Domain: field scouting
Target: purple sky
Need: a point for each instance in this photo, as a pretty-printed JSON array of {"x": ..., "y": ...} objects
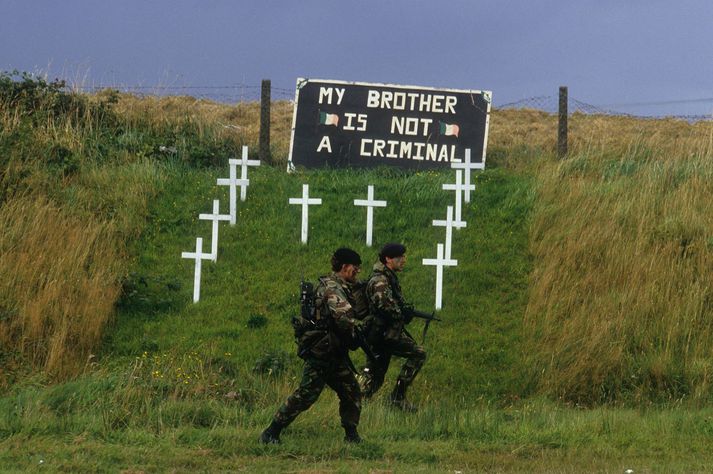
[{"x": 617, "y": 54}]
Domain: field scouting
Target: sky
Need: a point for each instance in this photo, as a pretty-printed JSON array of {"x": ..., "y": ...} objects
[{"x": 641, "y": 57}]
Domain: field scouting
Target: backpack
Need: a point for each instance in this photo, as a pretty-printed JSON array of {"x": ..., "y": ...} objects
[{"x": 311, "y": 332}]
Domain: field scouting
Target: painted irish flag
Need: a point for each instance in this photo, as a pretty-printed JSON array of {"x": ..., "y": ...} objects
[
  {"x": 328, "y": 119},
  {"x": 449, "y": 129}
]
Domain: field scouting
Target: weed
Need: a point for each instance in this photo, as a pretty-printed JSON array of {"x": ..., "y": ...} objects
[
  {"x": 271, "y": 363},
  {"x": 256, "y": 321}
]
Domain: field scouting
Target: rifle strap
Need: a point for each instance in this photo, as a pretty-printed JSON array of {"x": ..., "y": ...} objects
[
  {"x": 394, "y": 284},
  {"x": 425, "y": 330}
]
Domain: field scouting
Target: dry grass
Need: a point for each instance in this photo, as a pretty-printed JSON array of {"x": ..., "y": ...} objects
[
  {"x": 509, "y": 129},
  {"x": 512, "y": 129},
  {"x": 65, "y": 221},
  {"x": 621, "y": 298},
  {"x": 60, "y": 281},
  {"x": 62, "y": 261},
  {"x": 239, "y": 123}
]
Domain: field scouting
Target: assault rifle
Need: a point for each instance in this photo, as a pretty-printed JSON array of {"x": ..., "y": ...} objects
[{"x": 410, "y": 312}]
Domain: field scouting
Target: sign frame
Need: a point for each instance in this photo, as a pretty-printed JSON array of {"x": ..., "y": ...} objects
[{"x": 416, "y": 163}]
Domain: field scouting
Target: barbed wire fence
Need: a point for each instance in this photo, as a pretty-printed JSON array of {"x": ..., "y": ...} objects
[
  {"x": 240, "y": 93},
  {"x": 550, "y": 104}
]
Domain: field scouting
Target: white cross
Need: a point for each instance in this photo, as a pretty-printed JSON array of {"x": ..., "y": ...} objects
[
  {"x": 466, "y": 167},
  {"x": 370, "y": 204},
  {"x": 449, "y": 225},
  {"x": 198, "y": 256},
  {"x": 305, "y": 201},
  {"x": 458, "y": 188},
  {"x": 215, "y": 217},
  {"x": 244, "y": 163},
  {"x": 439, "y": 262},
  {"x": 232, "y": 183}
]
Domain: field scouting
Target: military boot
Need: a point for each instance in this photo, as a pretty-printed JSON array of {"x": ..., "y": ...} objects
[
  {"x": 398, "y": 398},
  {"x": 271, "y": 435},
  {"x": 351, "y": 435}
]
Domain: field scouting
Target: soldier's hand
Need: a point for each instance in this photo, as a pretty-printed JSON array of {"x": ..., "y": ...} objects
[{"x": 407, "y": 313}]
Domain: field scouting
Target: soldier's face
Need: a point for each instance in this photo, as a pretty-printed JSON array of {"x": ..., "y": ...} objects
[
  {"x": 396, "y": 264},
  {"x": 349, "y": 272}
]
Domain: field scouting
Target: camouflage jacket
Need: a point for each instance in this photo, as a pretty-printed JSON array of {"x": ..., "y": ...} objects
[
  {"x": 384, "y": 294},
  {"x": 359, "y": 298},
  {"x": 335, "y": 301}
]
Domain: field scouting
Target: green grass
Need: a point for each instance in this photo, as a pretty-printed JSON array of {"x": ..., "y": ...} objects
[
  {"x": 261, "y": 262},
  {"x": 533, "y": 436},
  {"x": 174, "y": 387},
  {"x": 169, "y": 366},
  {"x": 137, "y": 409}
]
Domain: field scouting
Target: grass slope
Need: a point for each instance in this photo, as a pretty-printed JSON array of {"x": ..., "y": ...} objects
[
  {"x": 169, "y": 365},
  {"x": 475, "y": 352}
]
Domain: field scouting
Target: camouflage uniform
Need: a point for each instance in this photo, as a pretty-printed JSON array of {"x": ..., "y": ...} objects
[
  {"x": 360, "y": 302},
  {"x": 328, "y": 361},
  {"x": 387, "y": 335}
]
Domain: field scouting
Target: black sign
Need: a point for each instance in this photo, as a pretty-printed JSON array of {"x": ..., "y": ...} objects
[{"x": 342, "y": 124}]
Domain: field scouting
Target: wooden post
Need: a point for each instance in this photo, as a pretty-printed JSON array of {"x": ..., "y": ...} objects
[
  {"x": 562, "y": 129},
  {"x": 264, "y": 150}
]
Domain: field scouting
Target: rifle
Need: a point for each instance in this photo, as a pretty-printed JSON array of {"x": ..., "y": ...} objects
[
  {"x": 410, "y": 312},
  {"x": 364, "y": 344}
]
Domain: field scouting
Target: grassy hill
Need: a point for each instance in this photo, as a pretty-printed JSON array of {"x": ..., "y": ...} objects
[{"x": 580, "y": 282}]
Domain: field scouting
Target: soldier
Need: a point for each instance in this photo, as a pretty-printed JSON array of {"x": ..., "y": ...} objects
[
  {"x": 327, "y": 354},
  {"x": 387, "y": 335}
]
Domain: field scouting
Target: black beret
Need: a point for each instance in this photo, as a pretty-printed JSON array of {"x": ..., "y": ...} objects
[
  {"x": 345, "y": 256},
  {"x": 392, "y": 250}
]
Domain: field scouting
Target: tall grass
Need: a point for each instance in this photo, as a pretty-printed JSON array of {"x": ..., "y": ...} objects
[
  {"x": 513, "y": 131},
  {"x": 621, "y": 294},
  {"x": 184, "y": 122},
  {"x": 71, "y": 206},
  {"x": 60, "y": 279}
]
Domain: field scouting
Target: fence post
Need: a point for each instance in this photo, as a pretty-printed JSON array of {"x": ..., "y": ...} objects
[
  {"x": 264, "y": 150},
  {"x": 562, "y": 128}
]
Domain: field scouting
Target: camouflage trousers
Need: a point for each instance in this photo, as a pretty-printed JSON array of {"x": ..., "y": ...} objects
[
  {"x": 335, "y": 373},
  {"x": 375, "y": 370}
]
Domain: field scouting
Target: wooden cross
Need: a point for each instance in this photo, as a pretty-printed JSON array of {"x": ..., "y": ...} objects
[
  {"x": 198, "y": 256},
  {"x": 458, "y": 188},
  {"x": 449, "y": 224},
  {"x": 370, "y": 204},
  {"x": 244, "y": 163},
  {"x": 232, "y": 183},
  {"x": 216, "y": 217},
  {"x": 305, "y": 201},
  {"x": 467, "y": 166},
  {"x": 439, "y": 262}
]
